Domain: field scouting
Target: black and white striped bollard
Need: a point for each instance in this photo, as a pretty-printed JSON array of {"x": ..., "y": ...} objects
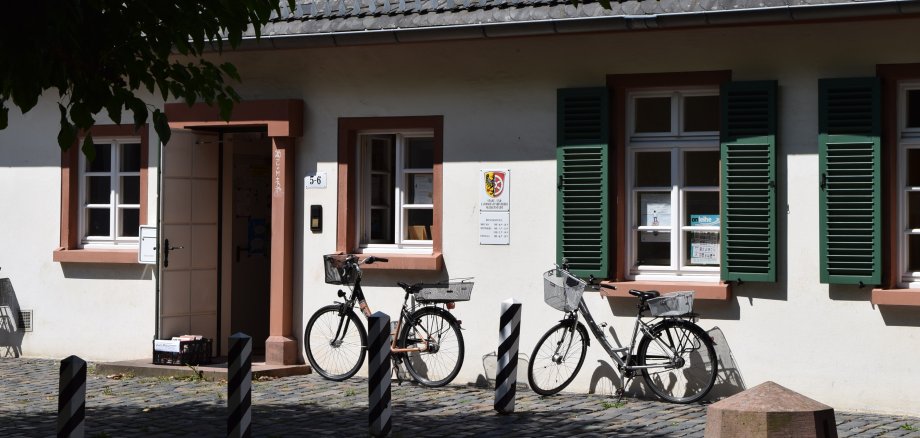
[
  {"x": 239, "y": 386},
  {"x": 72, "y": 398},
  {"x": 378, "y": 370},
  {"x": 509, "y": 330}
]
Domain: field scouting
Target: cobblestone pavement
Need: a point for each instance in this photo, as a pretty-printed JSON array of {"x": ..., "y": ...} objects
[{"x": 125, "y": 406}]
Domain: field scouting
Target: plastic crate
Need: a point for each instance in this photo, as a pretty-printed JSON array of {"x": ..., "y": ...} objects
[{"x": 193, "y": 352}]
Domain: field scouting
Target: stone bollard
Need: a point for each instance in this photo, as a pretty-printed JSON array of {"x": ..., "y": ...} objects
[
  {"x": 769, "y": 410},
  {"x": 239, "y": 386},
  {"x": 378, "y": 373},
  {"x": 72, "y": 398},
  {"x": 509, "y": 330}
]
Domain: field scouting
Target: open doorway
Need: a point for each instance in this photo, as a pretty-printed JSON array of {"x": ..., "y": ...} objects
[{"x": 247, "y": 234}]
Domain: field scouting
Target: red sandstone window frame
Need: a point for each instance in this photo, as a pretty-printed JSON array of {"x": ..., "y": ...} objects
[
  {"x": 70, "y": 250},
  {"x": 348, "y": 190}
]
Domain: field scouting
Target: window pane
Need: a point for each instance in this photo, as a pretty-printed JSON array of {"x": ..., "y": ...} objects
[
  {"x": 701, "y": 113},
  {"x": 382, "y": 154},
  {"x": 913, "y": 167},
  {"x": 420, "y": 188},
  {"x": 653, "y": 114},
  {"x": 654, "y": 209},
  {"x": 654, "y": 248},
  {"x": 653, "y": 169},
  {"x": 98, "y": 189},
  {"x": 130, "y": 189},
  {"x": 130, "y": 220},
  {"x": 913, "y": 249},
  {"x": 913, "y": 210},
  {"x": 381, "y": 231},
  {"x": 418, "y": 224},
  {"x": 131, "y": 157},
  {"x": 420, "y": 153},
  {"x": 103, "y": 160},
  {"x": 381, "y": 195},
  {"x": 702, "y": 168},
  {"x": 702, "y": 208},
  {"x": 913, "y": 109},
  {"x": 703, "y": 247},
  {"x": 98, "y": 222}
]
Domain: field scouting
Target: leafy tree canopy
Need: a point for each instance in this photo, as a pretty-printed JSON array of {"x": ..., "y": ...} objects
[{"x": 98, "y": 53}]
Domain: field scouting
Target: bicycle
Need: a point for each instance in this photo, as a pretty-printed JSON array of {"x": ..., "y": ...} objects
[
  {"x": 675, "y": 356},
  {"x": 429, "y": 341}
]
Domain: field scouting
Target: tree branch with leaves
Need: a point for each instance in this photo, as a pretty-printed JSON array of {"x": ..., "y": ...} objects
[{"x": 99, "y": 54}]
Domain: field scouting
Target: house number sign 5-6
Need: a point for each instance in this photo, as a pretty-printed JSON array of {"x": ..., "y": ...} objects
[{"x": 315, "y": 180}]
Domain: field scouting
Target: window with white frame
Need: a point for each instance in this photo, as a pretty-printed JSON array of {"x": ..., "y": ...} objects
[
  {"x": 397, "y": 189},
  {"x": 673, "y": 184},
  {"x": 110, "y": 194},
  {"x": 908, "y": 168}
]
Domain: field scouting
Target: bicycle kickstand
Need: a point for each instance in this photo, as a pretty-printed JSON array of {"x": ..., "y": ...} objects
[
  {"x": 399, "y": 376},
  {"x": 621, "y": 391}
]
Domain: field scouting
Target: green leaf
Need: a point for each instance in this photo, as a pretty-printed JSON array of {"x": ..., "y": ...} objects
[
  {"x": 89, "y": 148},
  {"x": 161, "y": 125},
  {"x": 113, "y": 106},
  {"x": 230, "y": 70},
  {"x": 81, "y": 115},
  {"x": 67, "y": 136},
  {"x": 139, "y": 108},
  {"x": 226, "y": 107}
]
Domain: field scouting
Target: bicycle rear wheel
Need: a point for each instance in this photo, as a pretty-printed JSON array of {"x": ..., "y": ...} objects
[
  {"x": 690, "y": 374},
  {"x": 335, "y": 343},
  {"x": 437, "y": 333},
  {"x": 557, "y": 358}
]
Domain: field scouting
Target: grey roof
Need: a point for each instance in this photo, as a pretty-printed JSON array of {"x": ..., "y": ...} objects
[{"x": 384, "y": 21}]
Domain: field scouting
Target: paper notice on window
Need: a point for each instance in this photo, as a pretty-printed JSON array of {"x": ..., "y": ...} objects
[
  {"x": 704, "y": 248},
  {"x": 423, "y": 187},
  {"x": 655, "y": 209}
]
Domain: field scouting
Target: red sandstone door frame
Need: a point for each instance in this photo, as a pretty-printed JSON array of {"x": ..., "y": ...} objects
[{"x": 283, "y": 120}]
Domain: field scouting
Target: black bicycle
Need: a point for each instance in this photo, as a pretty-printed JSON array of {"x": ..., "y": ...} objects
[
  {"x": 675, "y": 356},
  {"x": 426, "y": 339}
]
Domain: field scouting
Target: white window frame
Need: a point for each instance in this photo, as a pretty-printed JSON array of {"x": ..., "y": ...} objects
[
  {"x": 676, "y": 143},
  {"x": 115, "y": 239},
  {"x": 909, "y": 138},
  {"x": 400, "y": 194}
]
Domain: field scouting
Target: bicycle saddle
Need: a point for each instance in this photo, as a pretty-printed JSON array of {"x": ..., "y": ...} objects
[{"x": 644, "y": 295}]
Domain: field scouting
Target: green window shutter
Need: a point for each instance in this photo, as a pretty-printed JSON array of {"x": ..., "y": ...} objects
[
  {"x": 748, "y": 161},
  {"x": 582, "y": 209},
  {"x": 850, "y": 194}
]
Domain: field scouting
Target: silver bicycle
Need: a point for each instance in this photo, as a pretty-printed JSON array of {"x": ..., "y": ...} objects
[{"x": 675, "y": 356}]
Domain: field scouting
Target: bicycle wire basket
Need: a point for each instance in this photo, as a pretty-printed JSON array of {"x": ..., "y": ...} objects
[
  {"x": 672, "y": 304},
  {"x": 336, "y": 272},
  {"x": 446, "y": 292},
  {"x": 561, "y": 290}
]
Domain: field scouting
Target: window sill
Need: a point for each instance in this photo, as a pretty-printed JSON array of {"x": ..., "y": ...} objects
[
  {"x": 422, "y": 262},
  {"x": 896, "y": 297},
  {"x": 95, "y": 255},
  {"x": 720, "y": 291}
]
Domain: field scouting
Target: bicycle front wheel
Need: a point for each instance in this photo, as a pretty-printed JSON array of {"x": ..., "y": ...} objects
[
  {"x": 681, "y": 359},
  {"x": 436, "y": 333},
  {"x": 557, "y": 358},
  {"x": 335, "y": 343}
]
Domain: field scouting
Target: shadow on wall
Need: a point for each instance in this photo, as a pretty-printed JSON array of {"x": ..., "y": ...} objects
[
  {"x": 93, "y": 271},
  {"x": 11, "y": 329},
  {"x": 490, "y": 369},
  {"x": 605, "y": 379}
]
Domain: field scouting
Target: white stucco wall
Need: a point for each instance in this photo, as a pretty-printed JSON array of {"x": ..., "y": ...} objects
[
  {"x": 498, "y": 102},
  {"x": 498, "y": 99},
  {"x": 95, "y": 311}
]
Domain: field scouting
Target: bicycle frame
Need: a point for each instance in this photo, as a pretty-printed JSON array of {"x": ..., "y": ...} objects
[
  {"x": 640, "y": 325},
  {"x": 357, "y": 296}
]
